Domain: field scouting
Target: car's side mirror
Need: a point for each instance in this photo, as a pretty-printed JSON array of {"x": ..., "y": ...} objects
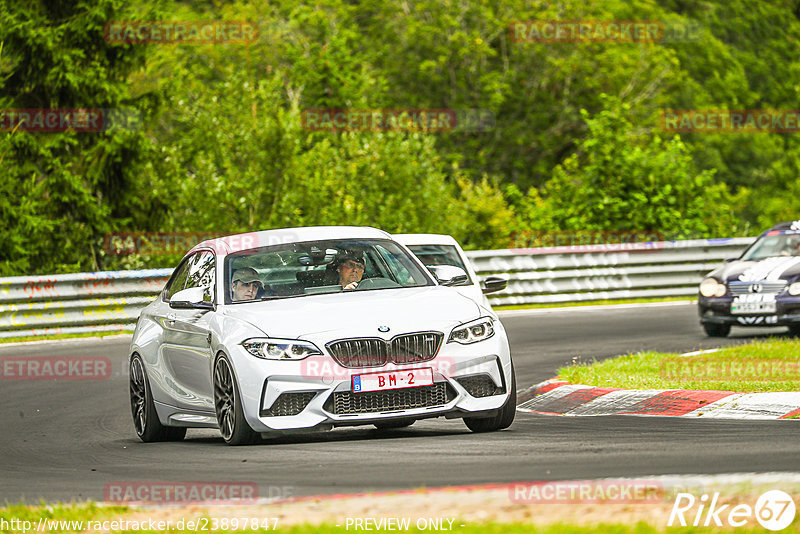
[
  {"x": 493, "y": 284},
  {"x": 448, "y": 275},
  {"x": 190, "y": 298}
]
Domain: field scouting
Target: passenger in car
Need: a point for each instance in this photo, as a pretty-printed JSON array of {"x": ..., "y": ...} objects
[{"x": 245, "y": 284}]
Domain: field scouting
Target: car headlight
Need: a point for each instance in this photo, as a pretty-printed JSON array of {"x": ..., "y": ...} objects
[
  {"x": 794, "y": 289},
  {"x": 280, "y": 349},
  {"x": 473, "y": 331},
  {"x": 710, "y": 287}
]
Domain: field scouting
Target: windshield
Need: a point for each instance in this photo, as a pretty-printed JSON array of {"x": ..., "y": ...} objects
[
  {"x": 440, "y": 255},
  {"x": 315, "y": 267},
  {"x": 774, "y": 243}
]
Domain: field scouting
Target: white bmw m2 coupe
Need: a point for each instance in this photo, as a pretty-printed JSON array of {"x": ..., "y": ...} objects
[{"x": 313, "y": 328}]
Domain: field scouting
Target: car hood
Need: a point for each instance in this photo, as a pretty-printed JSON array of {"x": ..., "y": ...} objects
[
  {"x": 359, "y": 314},
  {"x": 769, "y": 269}
]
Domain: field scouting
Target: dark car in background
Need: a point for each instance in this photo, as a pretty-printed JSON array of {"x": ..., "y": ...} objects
[{"x": 759, "y": 288}]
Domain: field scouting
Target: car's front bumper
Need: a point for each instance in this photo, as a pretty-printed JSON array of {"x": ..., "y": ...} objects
[
  {"x": 271, "y": 391},
  {"x": 717, "y": 310}
]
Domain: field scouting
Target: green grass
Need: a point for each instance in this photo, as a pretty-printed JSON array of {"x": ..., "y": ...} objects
[
  {"x": 60, "y": 512},
  {"x": 558, "y": 528},
  {"x": 62, "y": 336},
  {"x": 759, "y": 366},
  {"x": 91, "y": 512},
  {"x": 589, "y": 303}
]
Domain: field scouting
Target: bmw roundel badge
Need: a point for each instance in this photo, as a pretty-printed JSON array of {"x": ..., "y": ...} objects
[{"x": 383, "y": 329}]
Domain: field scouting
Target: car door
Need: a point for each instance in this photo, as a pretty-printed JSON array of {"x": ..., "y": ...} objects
[{"x": 186, "y": 340}]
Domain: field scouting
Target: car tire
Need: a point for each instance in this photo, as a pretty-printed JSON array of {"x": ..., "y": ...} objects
[
  {"x": 228, "y": 406},
  {"x": 389, "y": 425},
  {"x": 143, "y": 409},
  {"x": 505, "y": 416},
  {"x": 794, "y": 330},
  {"x": 717, "y": 330}
]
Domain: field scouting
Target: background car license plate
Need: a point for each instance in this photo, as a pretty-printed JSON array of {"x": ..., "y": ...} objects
[
  {"x": 753, "y": 307},
  {"x": 409, "y": 378}
]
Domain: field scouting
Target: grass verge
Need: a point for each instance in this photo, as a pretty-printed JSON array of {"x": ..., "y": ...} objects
[
  {"x": 759, "y": 366},
  {"x": 559, "y": 528},
  {"x": 90, "y": 517},
  {"x": 17, "y": 518},
  {"x": 20, "y": 339}
]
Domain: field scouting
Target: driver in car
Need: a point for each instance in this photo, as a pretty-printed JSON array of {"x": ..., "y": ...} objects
[
  {"x": 245, "y": 284},
  {"x": 792, "y": 246},
  {"x": 350, "y": 269}
]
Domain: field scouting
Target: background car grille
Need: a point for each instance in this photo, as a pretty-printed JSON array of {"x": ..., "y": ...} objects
[
  {"x": 346, "y": 402},
  {"x": 288, "y": 404},
  {"x": 743, "y": 288},
  {"x": 480, "y": 385},
  {"x": 372, "y": 352}
]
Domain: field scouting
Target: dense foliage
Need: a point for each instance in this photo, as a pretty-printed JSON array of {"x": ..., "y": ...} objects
[{"x": 219, "y": 143}]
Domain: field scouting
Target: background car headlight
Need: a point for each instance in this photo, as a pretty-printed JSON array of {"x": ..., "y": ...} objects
[
  {"x": 710, "y": 287},
  {"x": 794, "y": 289},
  {"x": 280, "y": 349},
  {"x": 473, "y": 331}
]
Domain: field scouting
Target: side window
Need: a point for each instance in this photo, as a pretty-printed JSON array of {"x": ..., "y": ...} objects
[
  {"x": 398, "y": 272},
  {"x": 440, "y": 255},
  {"x": 201, "y": 274},
  {"x": 179, "y": 280}
]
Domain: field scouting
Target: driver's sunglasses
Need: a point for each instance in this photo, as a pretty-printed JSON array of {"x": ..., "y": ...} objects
[{"x": 350, "y": 264}]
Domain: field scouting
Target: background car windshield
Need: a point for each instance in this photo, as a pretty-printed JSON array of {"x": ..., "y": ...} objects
[
  {"x": 297, "y": 269},
  {"x": 440, "y": 255},
  {"x": 774, "y": 243}
]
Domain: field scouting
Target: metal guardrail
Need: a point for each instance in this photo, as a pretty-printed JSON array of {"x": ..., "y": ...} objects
[
  {"x": 111, "y": 301},
  {"x": 76, "y": 303},
  {"x": 595, "y": 272}
]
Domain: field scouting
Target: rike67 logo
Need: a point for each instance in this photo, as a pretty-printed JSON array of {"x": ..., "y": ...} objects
[{"x": 774, "y": 510}]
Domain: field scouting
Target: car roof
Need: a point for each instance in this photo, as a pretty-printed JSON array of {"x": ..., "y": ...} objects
[
  {"x": 425, "y": 239},
  {"x": 262, "y": 238},
  {"x": 790, "y": 225}
]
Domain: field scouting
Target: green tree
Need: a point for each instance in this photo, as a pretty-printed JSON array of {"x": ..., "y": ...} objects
[
  {"x": 63, "y": 191},
  {"x": 620, "y": 181}
]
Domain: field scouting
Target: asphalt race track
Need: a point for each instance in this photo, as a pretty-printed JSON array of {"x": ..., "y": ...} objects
[{"x": 65, "y": 440}]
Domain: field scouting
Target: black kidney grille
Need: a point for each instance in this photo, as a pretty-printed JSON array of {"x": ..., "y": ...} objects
[
  {"x": 413, "y": 348},
  {"x": 367, "y": 352},
  {"x": 375, "y": 352}
]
